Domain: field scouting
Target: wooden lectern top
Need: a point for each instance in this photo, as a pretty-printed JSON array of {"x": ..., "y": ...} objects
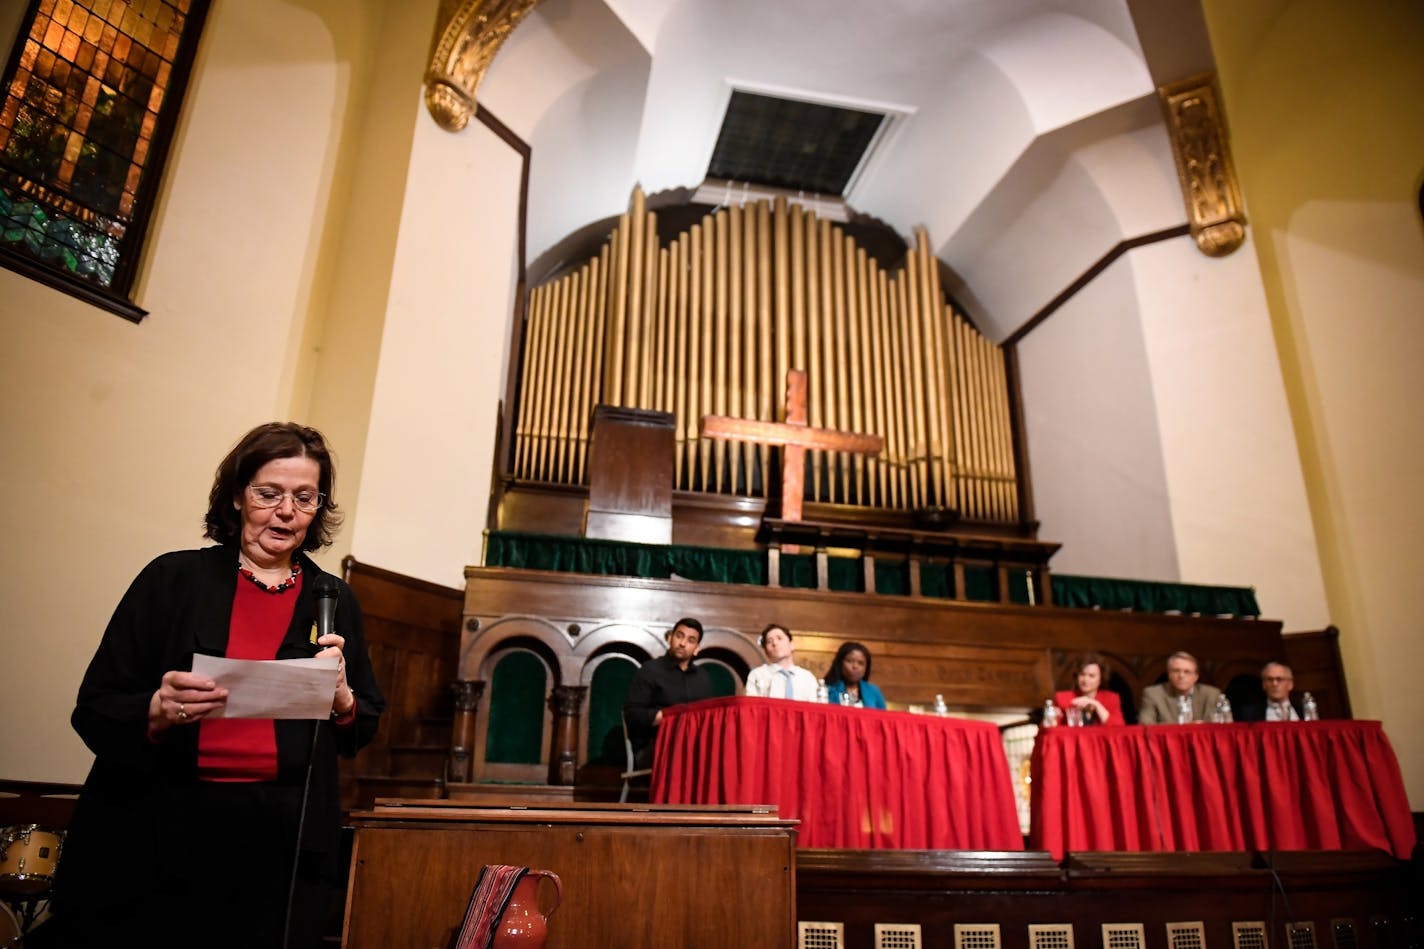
[{"x": 683, "y": 815}]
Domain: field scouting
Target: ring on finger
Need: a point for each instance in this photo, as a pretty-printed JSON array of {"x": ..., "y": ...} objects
[{"x": 182, "y": 712}]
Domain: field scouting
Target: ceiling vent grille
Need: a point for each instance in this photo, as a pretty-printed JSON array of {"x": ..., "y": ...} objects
[{"x": 794, "y": 144}]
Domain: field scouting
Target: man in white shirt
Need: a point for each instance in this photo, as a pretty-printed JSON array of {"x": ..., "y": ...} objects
[
  {"x": 781, "y": 677},
  {"x": 1277, "y": 680}
]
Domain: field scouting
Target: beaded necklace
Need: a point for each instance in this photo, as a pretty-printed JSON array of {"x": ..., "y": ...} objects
[{"x": 282, "y": 587}]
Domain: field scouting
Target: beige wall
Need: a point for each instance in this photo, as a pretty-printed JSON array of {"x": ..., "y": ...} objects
[
  {"x": 426, "y": 473},
  {"x": 113, "y": 429},
  {"x": 1328, "y": 133}
]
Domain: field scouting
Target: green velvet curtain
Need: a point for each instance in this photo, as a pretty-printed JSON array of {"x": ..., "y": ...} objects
[
  {"x": 516, "y": 724},
  {"x": 717, "y": 565},
  {"x": 1146, "y": 596},
  {"x": 606, "y": 695}
]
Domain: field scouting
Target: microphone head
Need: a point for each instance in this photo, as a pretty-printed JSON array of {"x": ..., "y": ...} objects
[{"x": 326, "y": 587}]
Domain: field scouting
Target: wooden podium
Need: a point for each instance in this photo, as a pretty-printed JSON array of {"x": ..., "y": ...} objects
[
  {"x": 630, "y": 476},
  {"x": 634, "y": 875}
]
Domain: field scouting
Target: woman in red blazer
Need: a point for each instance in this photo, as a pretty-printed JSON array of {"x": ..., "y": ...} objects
[{"x": 1097, "y": 705}]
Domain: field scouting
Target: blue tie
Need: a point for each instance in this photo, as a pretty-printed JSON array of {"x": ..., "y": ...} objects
[{"x": 790, "y": 688}]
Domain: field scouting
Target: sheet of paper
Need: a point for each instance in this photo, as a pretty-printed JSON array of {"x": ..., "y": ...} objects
[{"x": 272, "y": 688}]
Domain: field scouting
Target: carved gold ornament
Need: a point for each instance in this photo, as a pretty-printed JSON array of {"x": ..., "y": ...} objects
[
  {"x": 1203, "y": 156},
  {"x": 468, "y": 34}
]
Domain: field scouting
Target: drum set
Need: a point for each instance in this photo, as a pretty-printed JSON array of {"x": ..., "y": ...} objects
[{"x": 29, "y": 855}]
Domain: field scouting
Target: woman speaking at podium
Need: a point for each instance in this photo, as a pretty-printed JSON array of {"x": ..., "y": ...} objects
[{"x": 186, "y": 831}]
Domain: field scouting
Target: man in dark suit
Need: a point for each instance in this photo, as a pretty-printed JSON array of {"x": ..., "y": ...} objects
[
  {"x": 673, "y": 678},
  {"x": 1278, "y": 705}
]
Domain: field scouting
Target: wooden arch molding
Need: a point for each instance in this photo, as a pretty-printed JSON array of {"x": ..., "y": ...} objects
[{"x": 468, "y": 34}]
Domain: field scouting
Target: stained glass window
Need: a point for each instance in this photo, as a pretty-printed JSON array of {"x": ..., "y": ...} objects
[{"x": 90, "y": 97}]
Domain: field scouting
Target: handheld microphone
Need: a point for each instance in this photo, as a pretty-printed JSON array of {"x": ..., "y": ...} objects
[{"x": 326, "y": 590}]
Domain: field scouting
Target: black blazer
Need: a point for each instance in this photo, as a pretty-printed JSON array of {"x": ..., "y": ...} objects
[
  {"x": 179, "y": 605},
  {"x": 1256, "y": 711}
]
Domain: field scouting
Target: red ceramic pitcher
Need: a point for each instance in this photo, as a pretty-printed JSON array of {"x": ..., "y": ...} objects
[{"x": 523, "y": 925}]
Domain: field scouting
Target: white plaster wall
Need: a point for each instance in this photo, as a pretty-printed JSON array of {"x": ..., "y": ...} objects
[
  {"x": 1095, "y": 452},
  {"x": 112, "y": 429},
  {"x": 1240, "y": 516},
  {"x": 570, "y": 81},
  {"x": 582, "y": 156},
  {"x": 426, "y": 471}
]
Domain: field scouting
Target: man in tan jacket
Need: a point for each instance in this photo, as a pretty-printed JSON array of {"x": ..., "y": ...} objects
[{"x": 1161, "y": 703}]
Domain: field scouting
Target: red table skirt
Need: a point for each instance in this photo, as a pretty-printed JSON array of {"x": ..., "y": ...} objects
[
  {"x": 1259, "y": 786},
  {"x": 855, "y": 778}
]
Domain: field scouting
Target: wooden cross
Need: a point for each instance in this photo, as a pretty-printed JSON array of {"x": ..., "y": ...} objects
[{"x": 795, "y": 435}]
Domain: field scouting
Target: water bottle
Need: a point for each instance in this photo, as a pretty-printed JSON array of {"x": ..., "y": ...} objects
[
  {"x": 823, "y": 694},
  {"x": 1222, "y": 713},
  {"x": 940, "y": 708},
  {"x": 1309, "y": 711},
  {"x": 1050, "y": 714},
  {"x": 1184, "y": 710}
]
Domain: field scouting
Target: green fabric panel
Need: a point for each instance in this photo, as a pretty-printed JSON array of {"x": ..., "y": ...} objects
[
  {"x": 798, "y": 571},
  {"x": 719, "y": 566},
  {"x": 1147, "y": 596},
  {"x": 722, "y": 679},
  {"x": 936, "y": 580},
  {"x": 845, "y": 574},
  {"x": 516, "y": 716},
  {"x": 892, "y": 577},
  {"x": 980, "y": 584},
  {"x": 606, "y": 695},
  {"x": 1018, "y": 587}
]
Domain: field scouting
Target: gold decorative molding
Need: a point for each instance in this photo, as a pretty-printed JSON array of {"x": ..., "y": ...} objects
[
  {"x": 1204, "y": 169},
  {"x": 468, "y": 34}
]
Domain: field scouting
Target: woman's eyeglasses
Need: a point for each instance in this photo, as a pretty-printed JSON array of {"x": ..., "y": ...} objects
[{"x": 266, "y": 496}]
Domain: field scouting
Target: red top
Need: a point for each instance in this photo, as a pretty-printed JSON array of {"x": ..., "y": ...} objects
[
  {"x": 1110, "y": 699},
  {"x": 245, "y": 749}
]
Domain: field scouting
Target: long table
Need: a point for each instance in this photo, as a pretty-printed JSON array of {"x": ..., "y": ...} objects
[
  {"x": 1261, "y": 786},
  {"x": 855, "y": 778}
]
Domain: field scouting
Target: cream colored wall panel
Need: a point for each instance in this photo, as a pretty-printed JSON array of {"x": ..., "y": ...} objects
[
  {"x": 425, "y": 476},
  {"x": 112, "y": 429}
]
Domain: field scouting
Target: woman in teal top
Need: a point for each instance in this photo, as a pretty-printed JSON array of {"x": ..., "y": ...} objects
[{"x": 849, "y": 676}]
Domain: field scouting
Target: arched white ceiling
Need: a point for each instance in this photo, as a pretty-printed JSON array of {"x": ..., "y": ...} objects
[{"x": 1030, "y": 136}]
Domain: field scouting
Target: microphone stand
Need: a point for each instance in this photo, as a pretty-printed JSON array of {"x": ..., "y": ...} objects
[
  {"x": 325, "y": 594},
  {"x": 301, "y": 826}
]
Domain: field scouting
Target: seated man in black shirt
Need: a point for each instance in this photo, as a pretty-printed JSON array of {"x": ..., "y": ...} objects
[{"x": 671, "y": 679}]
